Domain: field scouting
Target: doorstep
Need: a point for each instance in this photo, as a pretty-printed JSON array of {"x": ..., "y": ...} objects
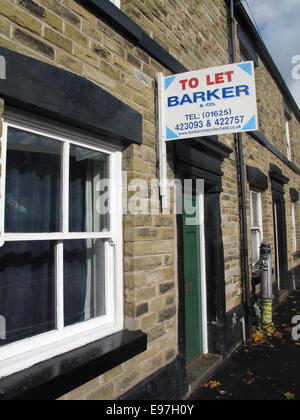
[{"x": 200, "y": 369}]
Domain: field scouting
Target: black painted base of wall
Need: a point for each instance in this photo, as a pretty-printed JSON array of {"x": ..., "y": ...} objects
[
  {"x": 169, "y": 383},
  {"x": 233, "y": 329}
]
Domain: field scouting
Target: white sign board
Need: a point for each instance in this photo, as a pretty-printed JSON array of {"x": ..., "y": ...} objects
[{"x": 214, "y": 101}]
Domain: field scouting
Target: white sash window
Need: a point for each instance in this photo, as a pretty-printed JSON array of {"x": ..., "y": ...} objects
[
  {"x": 61, "y": 241},
  {"x": 256, "y": 225}
]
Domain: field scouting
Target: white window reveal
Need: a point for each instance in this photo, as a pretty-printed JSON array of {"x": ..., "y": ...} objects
[
  {"x": 294, "y": 233},
  {"x": 256, "y": 225},
  {"x": 288, "y": 140},
  {"x": 61, "y": 232},
  {"x": 116, "y": 3}
]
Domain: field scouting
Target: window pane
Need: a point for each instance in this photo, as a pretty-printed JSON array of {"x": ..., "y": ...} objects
[
  {"x": 33, "y": 168},
  {"x": 255, "y": 210},
  {"x": 27, "y": 290},
  {"x": 294, "y": 233},
  {"x": 89, "y": 211},
  {"x": 84, "y": 280},
  {"x": 256, "y": 242}
]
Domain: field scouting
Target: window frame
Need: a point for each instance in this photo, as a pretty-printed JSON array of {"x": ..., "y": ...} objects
[
  {"x": 27, "y": 352},
  {"x": 258, "y": 229},
  {"x": 288, "y": 140},
  {"x": 294, "y": 230}
]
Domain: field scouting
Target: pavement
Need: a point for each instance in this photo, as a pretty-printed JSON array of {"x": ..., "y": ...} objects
[{"x": 266, "y": 369}]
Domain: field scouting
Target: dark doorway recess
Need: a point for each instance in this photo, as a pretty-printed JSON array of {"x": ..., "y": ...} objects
[
  {"x": 278, "y": 181},
  {"x": 202, "y": 159},
  {"x": 192, "y": 248}
]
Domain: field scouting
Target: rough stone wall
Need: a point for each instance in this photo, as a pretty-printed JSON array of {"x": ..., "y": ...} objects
[
  {"x": 65, "y": 34},
  {"x": 270, "y": 109},
  {"x": 188, "y": 30},
  {"x": 230, "y": 214},
  {"x": 258, "y": 156},
  {"x": 271, "y": 120},
  {"x": 294, "y": 128},
  {"x": 196, "y": 33}
]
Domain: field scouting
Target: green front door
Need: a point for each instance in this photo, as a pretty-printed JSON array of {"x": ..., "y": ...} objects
[{"x": 192, "y": 274}]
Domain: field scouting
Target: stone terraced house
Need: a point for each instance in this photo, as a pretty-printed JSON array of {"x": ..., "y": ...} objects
[{"x": 117, "y": 304}]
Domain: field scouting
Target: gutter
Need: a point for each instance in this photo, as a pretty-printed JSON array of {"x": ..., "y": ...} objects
[{"x": 242, "y": 193}]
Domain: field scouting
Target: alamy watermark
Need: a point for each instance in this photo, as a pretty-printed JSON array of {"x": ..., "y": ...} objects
[
  {"x": 296, "y": 329},
  {"x": 141, "y": 196},
  {"x": 296, "y": 67}
]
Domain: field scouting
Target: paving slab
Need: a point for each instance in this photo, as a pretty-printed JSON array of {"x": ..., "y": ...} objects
[{"x": 265, "y": 370}]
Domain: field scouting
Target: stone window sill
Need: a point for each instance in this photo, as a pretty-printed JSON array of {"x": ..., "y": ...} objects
[{"x": 55, "y": 377}]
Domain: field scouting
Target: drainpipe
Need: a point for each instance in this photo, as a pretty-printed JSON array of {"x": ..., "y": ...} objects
[{"x": 242, "y": 188}]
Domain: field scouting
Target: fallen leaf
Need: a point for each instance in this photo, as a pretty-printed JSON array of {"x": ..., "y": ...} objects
[
  {"x": 207, "y": 356},
  {"x": 212, "y": 384},
  {"x": 250, "y": 382},
  {"x": 258, "y": 336},
  {"x": 289, "y": 396},
  {"x": 206, "y": 362}
]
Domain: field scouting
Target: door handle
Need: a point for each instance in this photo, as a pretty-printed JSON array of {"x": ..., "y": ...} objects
[{"x": 188, "y": 287}]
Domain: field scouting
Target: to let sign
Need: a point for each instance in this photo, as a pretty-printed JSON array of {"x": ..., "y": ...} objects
[{"x": 214, "y": 101}]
